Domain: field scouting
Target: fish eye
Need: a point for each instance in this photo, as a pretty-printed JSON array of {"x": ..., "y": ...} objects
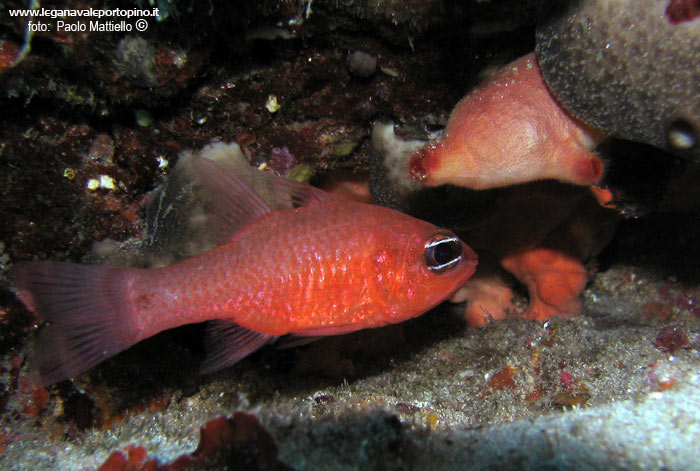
[{"x": 442, "y": 252}]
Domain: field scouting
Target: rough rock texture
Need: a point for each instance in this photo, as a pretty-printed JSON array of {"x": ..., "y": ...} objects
[{"x": 637, "y": 67}]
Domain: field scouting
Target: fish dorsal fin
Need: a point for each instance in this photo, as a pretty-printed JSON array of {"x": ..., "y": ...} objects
[
  {"x": 235, "y": 204},
  {"x": 299, "y": 193},
  {"x": 228, "y": 343}
]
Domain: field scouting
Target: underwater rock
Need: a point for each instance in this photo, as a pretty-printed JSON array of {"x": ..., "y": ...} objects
[
  {"x": 389, "y": 181},
  {"x": 361, "y": 64},
  {"x": 627, "y": 68}
]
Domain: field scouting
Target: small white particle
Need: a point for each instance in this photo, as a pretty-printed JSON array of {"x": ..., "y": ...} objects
[
  {"x": 93, "y": 184},
  {"x": 272, "y": 105},
  {"x": 179, "y": 59},
  {"x": 107, "y": 182}
]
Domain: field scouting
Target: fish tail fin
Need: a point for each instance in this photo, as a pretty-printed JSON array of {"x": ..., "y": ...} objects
[{"x": 85, "y": 310}]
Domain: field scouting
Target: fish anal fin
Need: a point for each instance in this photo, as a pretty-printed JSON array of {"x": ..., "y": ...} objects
[
  {"x": 228, "y": 343},
  {"x": 234, "y": 203},
  {"x": 295, "y": 341}
]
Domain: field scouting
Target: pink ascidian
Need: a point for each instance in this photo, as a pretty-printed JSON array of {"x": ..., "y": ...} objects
[{"x": 508, "y": 131}]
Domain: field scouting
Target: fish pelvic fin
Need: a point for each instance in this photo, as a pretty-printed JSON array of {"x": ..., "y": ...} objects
[
  {"x": 86, "y": 314},
  {"x": 227, "y": 343}
]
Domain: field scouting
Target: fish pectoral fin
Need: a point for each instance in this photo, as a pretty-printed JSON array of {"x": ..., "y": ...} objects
[
  {"x": 328, "y": 330},
  {"x": 235, "y": 204},
  {"x": 228, "y": 343}
]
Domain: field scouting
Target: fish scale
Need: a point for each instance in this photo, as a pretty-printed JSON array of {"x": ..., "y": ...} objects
[{"x": 227, "y": 287}]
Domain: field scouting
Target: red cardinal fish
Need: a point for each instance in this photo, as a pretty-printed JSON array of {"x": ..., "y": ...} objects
[{"x": 327, "y": 266}]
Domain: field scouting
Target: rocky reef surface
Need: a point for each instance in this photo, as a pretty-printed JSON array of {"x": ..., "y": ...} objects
[{"x": 93, "y": 121}]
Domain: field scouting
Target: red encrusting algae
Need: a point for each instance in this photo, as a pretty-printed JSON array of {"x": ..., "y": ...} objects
[{"x": 236, "y": 443}]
